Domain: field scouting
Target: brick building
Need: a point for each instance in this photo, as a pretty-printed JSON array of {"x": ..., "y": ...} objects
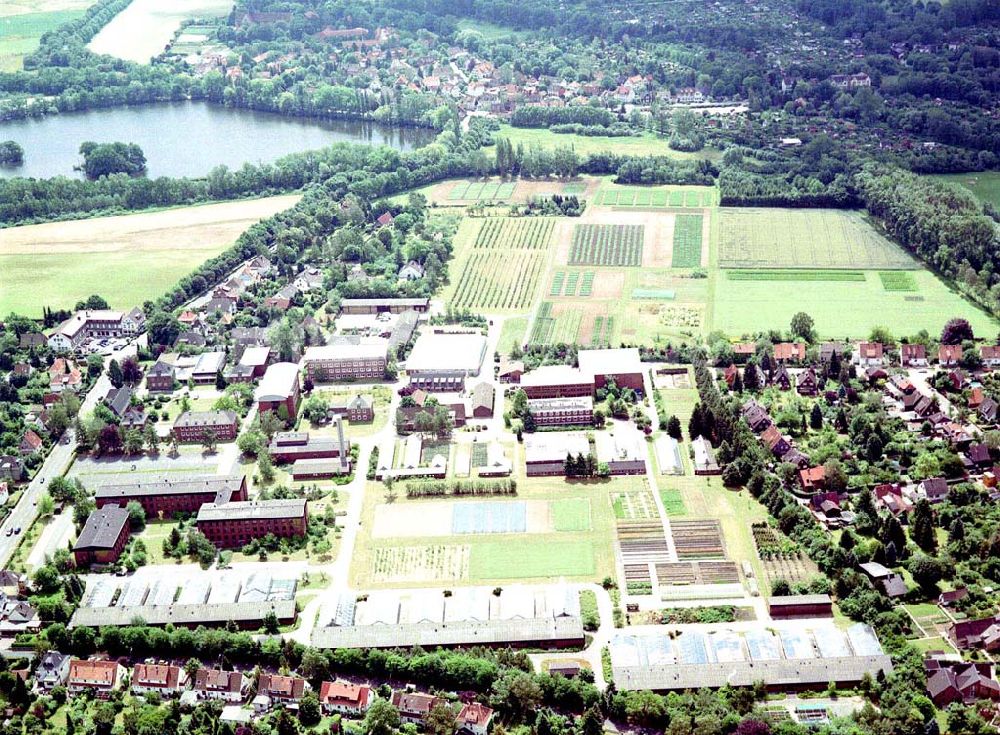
[
  {"x": 379, "y": 306},
  {"x": 358, "y": 410},
  {"x": 364, "y": 361},
  {"x": 279, "y": 389},
  {"x": 557, "y": 381},
  {"x": 235, "y": 524},
  {"x": 562, "y": 411},
  {"x": 169, "y": 496},
  {"x": 194, "y": 426},
  {"x": 160, "y": 377},
  {"x": 622, "y": 366},
  {"x": 291, "y": 446},
  {"x": 99, "y": 677},
  {"x": 103, "y": 537},
  {"x": 800, "y": 606}
]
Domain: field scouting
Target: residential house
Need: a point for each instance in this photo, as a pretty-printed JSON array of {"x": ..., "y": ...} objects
[
  {"x": 99, "y": 677},
  {"x": 889, "y": 497},
  {"x": 790, "y": 352},
  {"x": 933, "y": 490},
  {"x": 64, "y": 375},
  {"x": 474, "y": 718},
  {"x": 413, "y": 706},
  {"x": 412, "y": 271},
  {"x": 950, "y": 597},
  {"x": 869, "y": 354},
  {"x": 510, "y": 370},
  {"x": 979, "y": 455},
  {"x": 756, "y": 416},
  {"x": 981, "y": 633},
  {"x": 278, "y": 688},
  {"x": 808, "y": 383},
  {"x": 227, "y": 686},
  {"x": 990, "y": 355},
  {"x": 30, "y": 444},
  {"x": 346, "y": 698},
  {"x": 914, "y": 355},
  {"x": 782, "y": 378},
  {"x": 359, "y": 409},
  {"x": 118, "y": 400},
  {"x": 774, "y": 441},
  {"x": 884, "y": 579},
  {"x": 52, "y": 671},
  {"x": 954, "y": 680},
  {"x": 949, "y": 355},
  {"x": 812, "y": 479},
  {"x": 165, "y": 679},
  {"x": 160, "y": 377},
  {"x": 482, "y": 401},
  {"x": 11, "y": 468},
  {"x": 989, "y": 410}
]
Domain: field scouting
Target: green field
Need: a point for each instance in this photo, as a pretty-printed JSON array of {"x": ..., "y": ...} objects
[
  {"x": 512, "y": 333},
  {"x": 19, "y": 34},
  {"x": 646, "y": 144},
  {"x": 984, "y": 185},
  {"x": 607, "y": 245},
  {"x": 482, "y": 191},
  {"x": 531, "y": 558},
  {"x": 687, "y": 241},
  {"x": 843, "y": 309},
  {"x": 793, "y": 274},
  {"x": 673, "y": 502},
  {"x": 897, "y": 281},
  {"x": 570, "y": 515},
  {"x": 804, "y": 238},
  {"x": 658, "y": 196},
  {"x": 555, "y": 328}
]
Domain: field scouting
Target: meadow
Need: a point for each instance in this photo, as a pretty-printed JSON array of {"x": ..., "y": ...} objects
[
  {"x": 145, "y": 27},
  {"x": 984, "y": 185},
  {"x": 647, "y": 144},
  {"x": 24, "y": 22},
  {"x": 843, "y": 308},
  {"x": 804, "y": 238},
  {"x": 126, "y": 259}
]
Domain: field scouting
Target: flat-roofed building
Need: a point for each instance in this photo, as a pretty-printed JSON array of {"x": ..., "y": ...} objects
[
  {"x": 800, "y": 606},
  {"x": 545, "y": 454},
  {"x": 380, "y": 305},
  {"x": 366, "y": 360},
  {"x": 557, "y": 381},
  {"x": 562, "y": 411},
  {"x": 279, "y": 389},
  {"x": 195, "y": 426},
  {"x": 235, "y": 524},
  {"x": 255, "y": 359},
  {"x": 208, "y": 366},
  {"x": 623, "y": 366},
  {"x": 623, "y": 451},
  {"x": 291, "y": 446},
  {"x": 445, "y": 356},
  {"x": 173, "y": 495}
]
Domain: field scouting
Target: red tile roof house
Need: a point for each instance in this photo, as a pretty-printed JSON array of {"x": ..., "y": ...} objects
[
  {"x": 990, "y": 355},
  {"x": 413, "y": 706},
  {"x": 869, "y": 354},
  {"x": 30, "y": 443},
  {"x": 166, "y": 679},
  {"x": 227, "y": 686},
  {"x": 949, "y": 355},
  {"x": 913, "y": 355},
  {"x": 100, "y": 677},
  {"x": 790, "y": 352},
  {"x": 277, "y": 688},
  {"x": 958, "y": 681},
  {"x": 812, "y": 479},
  {"x": 474, "y": 718},
  {"x": 345, "y": 697}
]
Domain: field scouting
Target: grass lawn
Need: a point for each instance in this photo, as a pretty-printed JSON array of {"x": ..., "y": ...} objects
[
  {"x": 534, "y": 558},
  {"x": 646, "y": 144},
  {"x": 19, "y": 34},
  {"x": 570, "y": 515},
  {"x": 673, "y": 502},
  {"x": 153, "y": 536},
  {"x": 489, "y": 31},
  {"x": 842, "y": 309},
  {"x": 985, "y": 184},
  {"x": 511, "y": 333},
  {"x": 932, "y": 644},
  {"x": 126, "y": 259}
]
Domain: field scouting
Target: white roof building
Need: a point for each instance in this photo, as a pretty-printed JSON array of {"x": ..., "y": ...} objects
[
  {"x": 278, "y": 382},
  {"x": 447, "y": 354}
]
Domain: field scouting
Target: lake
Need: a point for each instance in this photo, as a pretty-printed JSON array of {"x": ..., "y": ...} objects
[{"x": 188, "y": 138}]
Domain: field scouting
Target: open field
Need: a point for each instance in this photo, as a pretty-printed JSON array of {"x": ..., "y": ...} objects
[
  {"x": 22, "y": 24},
  {"x": 614, "y": 245},
  {"x": 647, "y": 144},
  {"x": 984, "y": 185},
  {"x": 614, "y": 195},
  {"x": 499, "y": 262},
  {"x": 687, "y": 241},
  {"x": 145, "y": 27},
  {"x": 478, "y": 191},
  {"x": 804, "y": 238},
  {"x": 843, "y": 308},
  {"x": 551, "y": 528},
  {"x": 512, "y": 333},
  {"x": 126, "y": 259}
]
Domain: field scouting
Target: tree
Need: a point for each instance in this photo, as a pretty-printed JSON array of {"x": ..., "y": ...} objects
[
  {"x": 103, "y": 159},
  {"x": 46, "y": 506},
  {"x": 220, "y": 381},
  {"x": 265, "y": 467},
  {"x": 115, "y": 374},
  {"x": 136, "y": 515},
  {"x": 269, "y": 424},
  {"x": 309, "y": 710},
  {"x": 674, "y": 427},
  {"x": 109, "y": 441},
  {"x": 315, "y": 409},
  {"x": 956, "y": 331},
  {"x": 151, "y": 438},
  {"x": 11, "y": 153},
  {"x": 251, "y": 443},
  {"x": 382, "y": 718},
  {"x": 441, "y": 720},
  {"x": 209, "y": 441},
  {"x": 131, "y": 371},
  {"x": 927, "y": 571},
  {"x": 922, "y": 527},
  {"x": 802, "y": 326},
  {"x": 834, "y": 475},
  {"x": 780, "y": 588},
  {"x": 816, "y": 417}
]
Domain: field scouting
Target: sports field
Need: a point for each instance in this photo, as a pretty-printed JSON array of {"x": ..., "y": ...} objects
[
  {"x": 804, "y": 238},
  {"x": 24, "y": 22},
  {"x": 145, "y": 27},
  {"x": 125, "y": 259}
]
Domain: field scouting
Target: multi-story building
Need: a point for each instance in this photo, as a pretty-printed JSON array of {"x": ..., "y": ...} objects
[
  {"x": 195, "y": 426},
  {"x": 290, "y": 446},
  {"x": 235, "y": 524},
  {"x": 562, "y": 411},
  {"x": 557, "y": 381},
  {"x": 95, "y": 323},
  {"x": 103, "y": 537},
  {"x": 366, "y": 360},
  {"x": 358, "y": 410},
  {"x": 378, "y": 306},
  {"x": 169, "y": 496},
  {"x": 165, "y": 679},
  {"x": 99, "y": 677},
  {"x": 279, "y": 390},
  {"x": 228, "y": 686},
  {"x": 345, "y": 698}
]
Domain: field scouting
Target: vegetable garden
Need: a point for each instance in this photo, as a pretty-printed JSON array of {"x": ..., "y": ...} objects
[
  {"x": 607, "y": 245},
  {"x": 795, "y": 275},
  {"x": 572, "y": 283}
]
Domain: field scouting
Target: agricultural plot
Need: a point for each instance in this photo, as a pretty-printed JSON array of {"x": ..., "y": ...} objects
[
  {"x": 607, "y": 245},
  {"x": 572, "y": 283},
  {"x": 21, "y": 31},
  {"x": 780, "y": 557},
  {"x": 698, "y": 572},
  {"x": 673, "y": 502},
  {"x": 843, "y": 309},
  {"x": 697, "y": 539},
  {"x": 687, "y": 241},
  {"x": 478, "y": 191},
  {"x": 804, "y": 238},
  {"x": 558, "y": 325},
  {"x": 897, "y": 281},
  {"x": 984, "y": 185},
  {"x": 657, "y": 197},
  {"x": 524, "y": 560},
  {"x": 399, "y": 564},
  {"x": 602, "y": 331},
  {"x": 634, "y": 504},
  {"x": 529, "y": 233}
]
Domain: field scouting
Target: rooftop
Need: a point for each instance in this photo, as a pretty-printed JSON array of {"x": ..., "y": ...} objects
[
  {"x": 102, "y": 529},
  {"x": 252, "y": 509},
  {"x": 224, "y": 484},
  {"x": 370, "y": 349},
  {"x": 447, "y": 353},
  {"x": 610, "y": 362},
  {"x": 278, "y": 382}
]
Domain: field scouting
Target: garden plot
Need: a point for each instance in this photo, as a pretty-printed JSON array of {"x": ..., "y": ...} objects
[
  {"x": 401, "y": 564},
  {"x": 475, "y": 518},
  {"x": 482, "y": 191},
  {"x": 781, "y": 557},
  {"x": 804, "y": 238},
  {"x": 688, "y": 240},
  {"x": 556, "y": 324},
  {"x": 634, "y": 504},
  {"x": 657, "y": 197},
  {"x": 607, "y": 245},
  {"x": 697, "y": 539},
  {"x": 698, "y": 572},
  {"x": 642, "y": 541}
]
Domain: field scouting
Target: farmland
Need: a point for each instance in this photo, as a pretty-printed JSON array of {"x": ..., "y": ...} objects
[
  {"x": 145, "y": 27},
  {"x": 22, "y": 25},
  {"x": 985, "y": 185},
  {"x": 687, "y": 241},
  {"x": 501, "y": 267},
  {"x": 478, "y": 191},
  {"x": 126, "y": 259},
  {"x": 647, "y": 144},
  {"x": 657, "y": 196},
  {"x": 611, "y": 245},
  {"x": 795, "y": 238}
]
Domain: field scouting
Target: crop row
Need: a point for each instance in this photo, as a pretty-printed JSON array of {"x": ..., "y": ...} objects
[
  {"x": 611, "y": 245},
  {"x": 687, "y": 241},
  {"x": 532, "y": 233},
  {"x": 482, "y": 191},
  {"x": 897, "y": 281},
  {"x": 498, "y": 280},
  {"x": 795, "y": 275}
]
